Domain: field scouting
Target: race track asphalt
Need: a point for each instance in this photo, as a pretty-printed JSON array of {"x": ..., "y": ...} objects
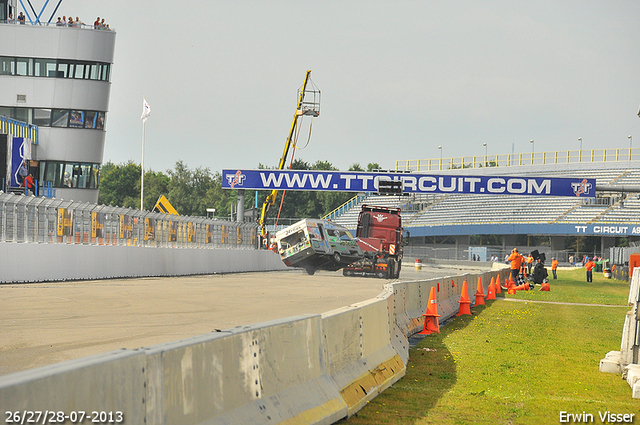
[{"x": 45, "y": 323}]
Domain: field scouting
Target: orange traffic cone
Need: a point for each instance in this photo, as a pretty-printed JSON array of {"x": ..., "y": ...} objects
[
  {"x": 511, "y": 282},
  {"x": 491, "y": 293},
  {"x": 479, "y": 293},
  {"x": 523, "y": 287},
  {"x": 545, "y": 287},
  {"x": 465, "y": 304},
  {"x": 497, "y": 287},
  {"x": 431, "y": 323},
  {"x": 511, "y": 290}
]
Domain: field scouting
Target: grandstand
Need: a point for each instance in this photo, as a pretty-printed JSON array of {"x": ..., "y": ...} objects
[{"x": 610, "y": 215}]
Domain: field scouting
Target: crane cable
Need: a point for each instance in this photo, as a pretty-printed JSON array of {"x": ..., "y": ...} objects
[
  {"x": 308, "y": 138},
  {"x": 293, "y": 153}
]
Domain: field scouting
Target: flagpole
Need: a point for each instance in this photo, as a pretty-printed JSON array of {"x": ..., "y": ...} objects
[
  {"x": 142, "y": 171},
  {"x": 146, "y": 111}
]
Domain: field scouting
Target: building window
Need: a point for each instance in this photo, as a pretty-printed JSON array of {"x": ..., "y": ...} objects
[
  {"x": 56, "y": 117},
  {"x": 60, "y": 118},
  {"x": 66, "y": 174},
  {"x": 61, "y": 68},
  {"x": 24, "y": 67},
  {"x": 45, "y": 68},
  {"x": 42, "y": 117},
  {"x": 7, "y": 65},
  {"x": 76, "y": 119}
]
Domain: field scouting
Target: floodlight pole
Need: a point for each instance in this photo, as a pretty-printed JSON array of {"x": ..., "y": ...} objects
[
  {"x": 580, "y": 153},
  {"x": 485, "y": 154}
]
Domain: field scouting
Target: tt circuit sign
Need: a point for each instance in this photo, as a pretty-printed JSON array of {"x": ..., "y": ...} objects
[
  {"x": 339, "y": 181},
  {"x": 608, "y": 229}
]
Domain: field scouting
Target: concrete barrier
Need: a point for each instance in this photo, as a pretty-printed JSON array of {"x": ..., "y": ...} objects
[
  {"x": 51, "y": 262},
  {"x": 627, "y": 360},
  {"x": 112, "y": 382},
  {"x": 310, "y": 369},
  {"x": 361, "y": 358}
]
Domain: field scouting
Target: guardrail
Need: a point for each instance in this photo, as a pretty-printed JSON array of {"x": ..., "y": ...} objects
[
  {"x": 50, "y": 220},
  {"x": 312, "y": 369},
  {"x": 518, "y": 159},
  {"x": 344, "y": 207}
]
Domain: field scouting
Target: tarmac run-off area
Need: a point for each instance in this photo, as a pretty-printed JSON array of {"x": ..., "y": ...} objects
[{"x": 45, "y": 323}]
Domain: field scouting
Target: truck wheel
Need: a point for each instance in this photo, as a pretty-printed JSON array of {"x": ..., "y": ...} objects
[
  {"x": 310, "y": 271},
  {"x": 336, "y": 257},
  {"x": 346, "y": 272}
]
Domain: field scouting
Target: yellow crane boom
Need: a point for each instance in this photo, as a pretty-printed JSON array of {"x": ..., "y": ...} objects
[{"x": 304, "y": 107}]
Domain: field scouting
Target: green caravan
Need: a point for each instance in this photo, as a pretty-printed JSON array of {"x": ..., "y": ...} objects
[{"x": 314, "y": 244}]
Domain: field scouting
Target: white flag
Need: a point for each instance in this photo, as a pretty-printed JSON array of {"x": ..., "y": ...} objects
[{"x": 146, "y": 110}]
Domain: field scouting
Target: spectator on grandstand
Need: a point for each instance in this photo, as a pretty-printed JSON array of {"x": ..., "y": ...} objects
[
  {"x": 21, "y": 18},
  {"x": 70, "y": 22},
  {"x": 79, "y": 23},
  {"x": 59, "y": 23},
  {"x": 516, "y": 261},
  {"x": 554, "y": 267},
  {"x": 589, "y": 265},
  {"x": 10, "y": 19},
  {"x": 96, "y": 24}
]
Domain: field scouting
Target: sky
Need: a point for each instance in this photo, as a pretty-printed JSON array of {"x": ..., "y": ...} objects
[{"x": 398, "y": 79}]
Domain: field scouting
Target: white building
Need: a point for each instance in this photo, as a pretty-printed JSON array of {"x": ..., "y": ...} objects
[{"x": 59, "y": 79}]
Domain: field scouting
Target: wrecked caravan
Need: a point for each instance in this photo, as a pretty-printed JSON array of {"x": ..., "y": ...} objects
[{"x": 314, "y": 244}]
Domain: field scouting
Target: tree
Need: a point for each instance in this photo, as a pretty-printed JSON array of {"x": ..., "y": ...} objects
[
  {"x": 120, "y": 185},
  {"x": 373, "y": 166},
  {"x": 188, "y": 189}
]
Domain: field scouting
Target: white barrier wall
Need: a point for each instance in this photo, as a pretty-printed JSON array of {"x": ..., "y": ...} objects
[
  {"x": 50, "y": 262},
  {"x": 311, "y": 369},
  {"x": 627, "y": 360}
]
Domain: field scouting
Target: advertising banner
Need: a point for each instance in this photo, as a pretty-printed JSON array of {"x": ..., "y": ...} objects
[
  {"x": 191, "y": 232},
  {"x": 20, "y": 152},
  {"x": 97, "y": 225},
  {"x": 149, "y": 229},
  {"x": 126, "y": 227},
  {"x": 209, "y": 233},
  {"x": 173, "y": 230},
  {"x": 65, "y": 222},
  {"x": 225, "y": 234},
  {"x": 339, "y": 181}
]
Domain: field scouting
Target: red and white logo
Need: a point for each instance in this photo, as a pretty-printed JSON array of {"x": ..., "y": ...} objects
[{"x": 380, "y": 217}]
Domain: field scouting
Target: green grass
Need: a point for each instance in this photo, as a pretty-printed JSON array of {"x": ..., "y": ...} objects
[
  {"x": 515, "y": 362},
  {"x": 571, "y": 286}
]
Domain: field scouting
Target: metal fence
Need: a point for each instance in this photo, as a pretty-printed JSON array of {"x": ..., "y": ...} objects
[
  {"x": 517, "y": 159},
  {"x": 50, "y": 220},
  {"x": 465, "y": 253}
]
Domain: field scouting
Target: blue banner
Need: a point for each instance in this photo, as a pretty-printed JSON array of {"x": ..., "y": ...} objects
[
  {"x": 340, "y": 181},
  {"x": 18, "y": 158}
]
